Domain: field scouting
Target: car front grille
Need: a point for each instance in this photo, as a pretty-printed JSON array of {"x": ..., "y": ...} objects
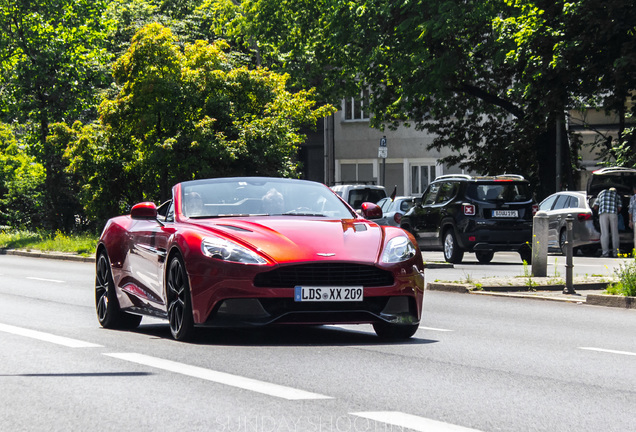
[{"x": 325, "y": 274}]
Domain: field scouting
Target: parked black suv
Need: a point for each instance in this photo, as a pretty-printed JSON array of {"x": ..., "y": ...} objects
[{"x": 462, "y": 213}]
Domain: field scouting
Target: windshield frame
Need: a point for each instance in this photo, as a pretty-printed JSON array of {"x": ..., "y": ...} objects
[{"x": 260, "y": 196}]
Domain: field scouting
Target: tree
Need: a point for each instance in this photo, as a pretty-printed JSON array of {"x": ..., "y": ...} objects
[
  {"x": 52, "y": 65},
  {"x": 490, "y": 79},
  {"x": 182, "y": 114},
  {"x": 21, "y": 180}
]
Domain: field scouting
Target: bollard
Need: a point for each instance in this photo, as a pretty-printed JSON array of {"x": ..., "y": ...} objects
[
  {"x": 569, "y": 252},
  {"x": 540, "y": 244}
]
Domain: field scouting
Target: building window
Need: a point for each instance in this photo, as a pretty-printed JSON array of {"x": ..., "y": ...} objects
[
  {"x": 356, "y": 108},
  {"x": 357, "y": 173},
  {"x": 421, "y": 176}
]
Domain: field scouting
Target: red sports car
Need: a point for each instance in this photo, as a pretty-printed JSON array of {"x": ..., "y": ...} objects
[{"x": 252, "y": 251}]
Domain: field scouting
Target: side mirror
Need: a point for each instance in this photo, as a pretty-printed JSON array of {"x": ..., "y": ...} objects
[
  {"x": 371, "y": 211},
  {"x": 144, "y": 210}
]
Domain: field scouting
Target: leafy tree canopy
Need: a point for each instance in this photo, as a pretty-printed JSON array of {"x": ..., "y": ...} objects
[
  {"x": 491, "y": 79},
  {"x": 185, "y": 113}
]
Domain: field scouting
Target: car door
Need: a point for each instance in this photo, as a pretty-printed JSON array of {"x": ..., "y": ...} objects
[
  {"x": 148, "y": 240},
  {"x": 434, "y": 211},
  {"x": 560, "y": 210},
  {"x": 417, "y": 217}
]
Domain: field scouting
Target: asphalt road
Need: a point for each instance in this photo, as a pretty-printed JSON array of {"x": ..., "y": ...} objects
[{"x": 476, "y": 363}]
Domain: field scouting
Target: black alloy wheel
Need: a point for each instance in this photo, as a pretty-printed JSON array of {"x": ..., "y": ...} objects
[
  {"x": 109, "y": 314},
  {"x": 484, "y": 257},
  {"x": 179, "y": 302},
  {"x": 452, "y": 252},
  {"x": 526, "y": 255}
]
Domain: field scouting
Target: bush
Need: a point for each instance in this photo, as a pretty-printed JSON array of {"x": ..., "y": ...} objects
[{"x": 627, "y": 280}]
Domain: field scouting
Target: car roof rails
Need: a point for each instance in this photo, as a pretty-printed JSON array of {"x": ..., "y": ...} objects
[
  {"x": 613, "y": 169},
  {"x": 513, "y": 176},
  {"x": 456, "y": 176}
]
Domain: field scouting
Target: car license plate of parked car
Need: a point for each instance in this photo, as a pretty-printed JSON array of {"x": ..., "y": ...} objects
[
  {"x": 327, "y": 294},
  {"x": 505, "y": 213}
]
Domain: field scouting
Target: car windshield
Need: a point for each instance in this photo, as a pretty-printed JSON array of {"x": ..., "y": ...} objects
[
  {"x": 260, "y": 196},
  {"x": 506, "y": 191}
]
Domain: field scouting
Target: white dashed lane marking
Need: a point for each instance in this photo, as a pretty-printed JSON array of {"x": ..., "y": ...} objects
[
  {"x": 45, "y": 280},
  {"x": 47, "y": 337},
  {"x": 219, "y": 377},
  {"x": 629, "y": 353}
]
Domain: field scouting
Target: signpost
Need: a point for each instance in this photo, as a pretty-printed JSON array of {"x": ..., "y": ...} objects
[{"x": 383, "y": 153}]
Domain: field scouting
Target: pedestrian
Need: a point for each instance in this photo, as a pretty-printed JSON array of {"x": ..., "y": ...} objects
[
  {"x": 632, "y": 217},
  {"x": 608, "y": 204}
]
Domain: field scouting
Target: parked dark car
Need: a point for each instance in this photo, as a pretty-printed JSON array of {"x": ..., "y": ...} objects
[
  {"x": 623, "y": 179},
  {"x": 558, "y": 206},
  {"x": 480, "y": 214}
]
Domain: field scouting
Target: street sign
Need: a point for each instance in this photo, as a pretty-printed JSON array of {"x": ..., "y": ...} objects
[
  {"x": 382, "y": 152},
  {"x": 383, "y": 141}
]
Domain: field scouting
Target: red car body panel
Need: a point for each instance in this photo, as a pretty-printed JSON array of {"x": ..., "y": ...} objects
[{"x": 139, "y": 251}]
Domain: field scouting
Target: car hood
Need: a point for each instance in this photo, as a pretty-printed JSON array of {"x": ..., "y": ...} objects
[{"x": 287, "y": 239}]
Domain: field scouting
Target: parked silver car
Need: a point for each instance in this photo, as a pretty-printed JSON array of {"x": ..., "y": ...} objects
[
  {"x": 394, "y": 209},
  {"x": 623, "y": 179},
  {"x": 585, "y": 234}
]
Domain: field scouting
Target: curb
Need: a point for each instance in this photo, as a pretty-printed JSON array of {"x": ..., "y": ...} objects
[
  {"x": 522, "y": 292},
  {"x": 611, "y": 301},
  {"x": 49, "y": 255}
]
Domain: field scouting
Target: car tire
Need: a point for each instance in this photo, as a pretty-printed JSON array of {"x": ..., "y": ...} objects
[
  {"x": 484, "y": 257},
  {"x": 589, "y": 251},
  {"x": 452, "y": 252},
  {"x": 179, "y": 301},
  {"x": 109, "y": 314},
  {"x": 395, "y": 331},
  {"x": 526, "y": 255}
]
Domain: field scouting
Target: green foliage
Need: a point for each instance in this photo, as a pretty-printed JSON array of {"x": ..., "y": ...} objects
[
  {"x": 21, "y": 183},
  {"x": 180, "y": 114},
  {"x": 626, "y": 274},
  {"x": 490, "y": 80},
  {"x": 51, "y": 66},
  {"x": 82, "y": 244},
  {"x": 53, "y": 58}
]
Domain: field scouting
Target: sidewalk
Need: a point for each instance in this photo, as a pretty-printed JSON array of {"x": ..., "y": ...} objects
[{"x": 588, "y": 290}]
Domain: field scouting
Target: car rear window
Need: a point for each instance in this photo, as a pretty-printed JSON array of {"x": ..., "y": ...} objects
[
  {"x": 499, "y": 191},
  {"x": 358, "y": 196},
  {"x": 622, "y": 181}
]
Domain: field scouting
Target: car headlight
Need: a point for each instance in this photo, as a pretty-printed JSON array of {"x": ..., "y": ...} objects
[
  {"x": 398, "y": 249},
  {"x": 229, "y": 251}
]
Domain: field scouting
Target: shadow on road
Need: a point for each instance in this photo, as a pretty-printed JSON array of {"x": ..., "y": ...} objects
[{"x": 283, "y": 336}]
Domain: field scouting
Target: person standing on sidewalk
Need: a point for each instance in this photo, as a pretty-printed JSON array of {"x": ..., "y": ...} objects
[
  {"x": 632, "y": 217},
  {"x": 609, "y": 205}
]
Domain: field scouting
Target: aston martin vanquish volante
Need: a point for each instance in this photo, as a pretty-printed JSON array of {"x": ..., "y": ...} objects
[{"x": 254, "y": 251}]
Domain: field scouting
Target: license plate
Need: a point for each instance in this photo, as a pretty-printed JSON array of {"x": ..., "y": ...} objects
[
  {"x": 327, "y": 294},
  {"x": 505, "y": 213}
]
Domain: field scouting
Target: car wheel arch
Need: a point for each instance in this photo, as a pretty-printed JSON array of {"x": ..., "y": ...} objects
[
  {"x": 445, "y": 226},
  {"x": 172, "y": 253}
]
